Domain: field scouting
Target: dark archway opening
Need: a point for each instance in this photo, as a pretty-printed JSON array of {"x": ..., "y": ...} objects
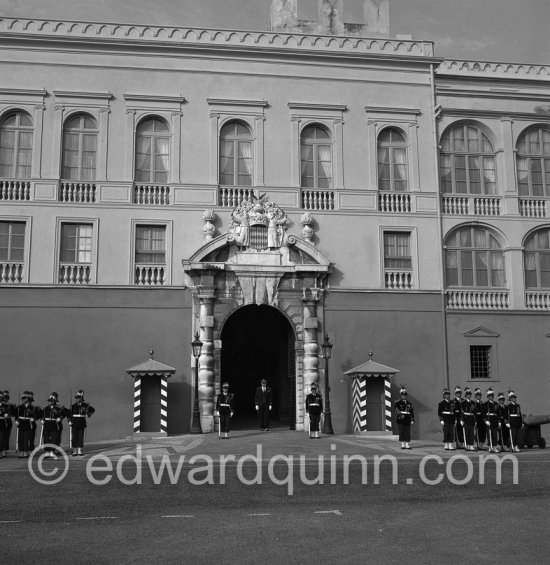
[{"x": 258, "y": 342}]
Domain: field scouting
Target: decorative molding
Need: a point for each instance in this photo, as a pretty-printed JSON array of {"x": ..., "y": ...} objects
[
  {"x": 81, "y": 94},
  {"x": 156, "y": 98},
  {"x": 491, "y": 70},
  {"x": 317, "y": 107},
  {"x": 444, "y": 90},
  {"x": 23, "y": 92},
  {"x": 230, "y": 102},
  {"x": 497, "y": 114},
  {"x": 392, "y": 110},
  {"x": 215, "y": 37},
  {"x": 481, "y": 332}
]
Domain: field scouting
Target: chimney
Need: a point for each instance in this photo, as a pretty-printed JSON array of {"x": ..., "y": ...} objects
[
  {"x": 331, "y": 17},
  {"x": 284, "y": 15},
  {"x": 377, "y": 17}
]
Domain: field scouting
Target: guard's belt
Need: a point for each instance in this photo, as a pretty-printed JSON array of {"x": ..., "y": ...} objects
[
  {"x": 225, "y": 404},
  {"x": 24, "y": 418},
  {"x": 314, "y": 404},
  {"x": 446, "y": 412},
  {"x": 514, "y": 415},
  {"x": 50, "y": 419},
  {"x": 491, "y": 414},
  {"x": 403, "y": 412},
  {"x": 468, "y": 413},
  {"x": 79, "y": 416}
]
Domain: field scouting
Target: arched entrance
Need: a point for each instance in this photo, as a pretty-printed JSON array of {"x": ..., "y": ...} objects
[{"x": 258, "y": 341}]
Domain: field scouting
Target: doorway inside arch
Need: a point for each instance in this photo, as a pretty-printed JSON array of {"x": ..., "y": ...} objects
[{"x": 258, "y": 342}]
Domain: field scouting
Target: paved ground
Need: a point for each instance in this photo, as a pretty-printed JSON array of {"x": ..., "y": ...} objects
[{"x": 174, "y": 520}]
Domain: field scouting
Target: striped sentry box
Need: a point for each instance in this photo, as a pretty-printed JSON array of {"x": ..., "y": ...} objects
[
  {"x": 388, "y": 404},
  {"x": 359, "y": 404},
  {"x": 137, "y": 405},
  {"x": 164, "y": 404}
]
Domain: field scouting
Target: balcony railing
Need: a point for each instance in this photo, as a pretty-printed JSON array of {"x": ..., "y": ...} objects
[
  {"x": 232, "y": 196},
  {"x": 18, "y": 190},
  {"x": 532, "y": 207},
  {"x": 75, "y": 273},
  {"x": 316, "y": 199},
  {"x": 11, "y": 272},
  {"x": 77, "y": 192},
  {"x": 152, "y": 194},
  {"x": 537, "y": 300},
  {"x": 471, "y": 205},
  {"x": 476, "y": 299},
  {"x": 398, "y": 280},
  {"x": 150, "y": 275},
  {"x": 395, "y": 202}
]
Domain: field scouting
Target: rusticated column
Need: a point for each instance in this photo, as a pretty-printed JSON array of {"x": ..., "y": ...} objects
[
  {"x": 206, "y": 360},
  {"x": 311, "y": 347}
]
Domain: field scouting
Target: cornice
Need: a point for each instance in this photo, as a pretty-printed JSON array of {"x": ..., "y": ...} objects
[
  {"x": 392, "y": 110},
  {"x": 82, "y": 94},
  {"x": 500, "y": 114},
  {"x": 23, "y": 92},
  {"x": 317, "y": 107},
  {"x": 443, "y": 90},
  {"x": 484, "y": 69},
  {"x": 162, "y": 98},
  {"x": 230, "y": 102},
  {"x": 215, "y": 37}
]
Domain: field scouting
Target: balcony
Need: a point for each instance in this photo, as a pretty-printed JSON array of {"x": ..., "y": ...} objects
[
  {"x": 75, "y": 273},
  {"x": 538, "y": 300},
  {"x": 150, "y": 275},
  {"x": 317, "y": 199},
  {"x": 15, "y": 190},
  {"x": 532, "y": 207},
  {"x": 394, "y": 202},
  {"x": 151, "y": 194},
  {"x": 77, "y": 192},
  {"x": 232, "y": 196},
  {"x": 477, "y": 299},
  {"x": 11, "y": 272},
  {"x": 398, "y": 280},
  {"x": 467, "y": 205}
]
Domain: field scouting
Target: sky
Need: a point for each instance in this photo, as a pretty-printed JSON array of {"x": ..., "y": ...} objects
[{"x": 489, "y": 30}]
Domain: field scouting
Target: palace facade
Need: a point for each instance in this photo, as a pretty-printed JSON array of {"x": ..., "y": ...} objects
[{"x": 266, "y": 189}]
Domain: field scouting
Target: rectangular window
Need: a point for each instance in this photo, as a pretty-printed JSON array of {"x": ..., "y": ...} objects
[
  {"x": 76, "y": 243},
  {"x": 397, "y": 251},
  {"x": 12, "y": 241},
  {"x": 150, "y": 245},
  {"x": 480, "y": 361}
]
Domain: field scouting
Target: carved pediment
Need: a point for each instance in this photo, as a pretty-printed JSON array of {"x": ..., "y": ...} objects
[{"x": 481, "y": 332}]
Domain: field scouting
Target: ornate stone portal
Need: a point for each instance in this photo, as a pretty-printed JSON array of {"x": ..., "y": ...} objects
[{"x": 257, "y": 262}]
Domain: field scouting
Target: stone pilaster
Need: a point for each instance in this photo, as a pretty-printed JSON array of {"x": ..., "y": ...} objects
[
  {"x": 206, "y": 360},
  {"x": 311, "y": 347}
]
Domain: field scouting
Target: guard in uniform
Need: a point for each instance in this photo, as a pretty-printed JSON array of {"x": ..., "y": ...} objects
[
  {"x": 480, "y": 430},
  {"x": 491, "y": 421},
  {"x": 7, "y": 410},
  {"x": 24, "y": 418},
  {"x": 264, "y": 403},
  {"x": 79, "y": 412},
  {"x": 34, "y": 425},
  {"x": 503, "y": 424},
  {"x": 457, "y": 409},
  {"x": 314, "y": 407},
  {"x": 404, "y": 417},
  {"x": 469, "y": 419},
  {"x": 515, "y": 420},
  {"x": 447, "y": 419},
  {"x": 51, "y": 423},
  {"x": 224, "y": 408}
]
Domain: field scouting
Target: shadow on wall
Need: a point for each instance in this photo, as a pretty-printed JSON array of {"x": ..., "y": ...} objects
[{"x": 179, "y": 407}]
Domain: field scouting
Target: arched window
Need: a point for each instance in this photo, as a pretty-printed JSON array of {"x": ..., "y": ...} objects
[
  {"x": 235, "y": 155},
  {"x": 392, "y": 160},
  {"x": 316, "y": 157},
  {"x": 537, "y": 259},
  {"x": 473, "y": 258},
  {"x": 80, "y": 148},
  {"x": 152, "y": 151},
  {"x": 533, "y": 163},
  {"x": 467, "y": 162},
  {"x": 16, "y": 133}
]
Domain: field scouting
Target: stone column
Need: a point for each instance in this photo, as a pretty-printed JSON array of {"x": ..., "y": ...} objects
[
  {"x": 206, "y": 360},
  {"x": 311, "y": 347}
]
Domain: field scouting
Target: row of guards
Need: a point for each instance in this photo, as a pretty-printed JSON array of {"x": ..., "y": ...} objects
[{"x": 27, "y": 415}]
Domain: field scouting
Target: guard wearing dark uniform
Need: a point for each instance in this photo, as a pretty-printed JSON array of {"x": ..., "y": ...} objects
[
  {"x": 314, "y": 407},
  {"x": 404, "y": 412},
  {"x": 447, "y": 419},
  {"x": 224, "y": 408},
  {"x": 25, "y": 416},
  {"x": 52, "y": 415},
  {"x": 79, "y": 412},
  {"x": 469, "y": 419},
  {"x": 34, "y": 425},
  {"x": 491, "y": 421},
  {"x": 515, "y": 420},
  {"x": 263, "y": 401},
  {"x": 457, "y": 409},
  {"x": 7, "y": 410},
  {"x": 503, "y": 424},
  {"x": 481, "y": 429}
]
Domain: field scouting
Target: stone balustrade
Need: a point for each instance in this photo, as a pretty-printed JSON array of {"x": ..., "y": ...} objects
[
  {"x": 233, "y": 196},
  {"x": 11, "y": 272},
  {"x": 75, "y": 273},
  {"x": 469, "y": 205},
  {"x": 150, "y": 275},
  {"x": 532, "y": 207},
  {"x": 18, "y": 190},
  {"x": 537, "y": 300},
  {"x": 394, "y": 202},
  {"x": 77, "y": 192},
  {"x": 477, "y": 299},
  {"x": 317, "y": 199},
  {"x": 398, "y": 280},
  {"x": 151, "y": 194}
]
